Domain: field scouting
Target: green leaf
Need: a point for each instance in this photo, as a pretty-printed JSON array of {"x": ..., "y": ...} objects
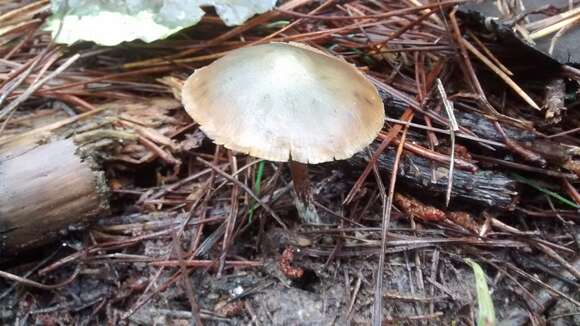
[
  {"x": 486, "y": 312},
  {"x": 110, "y": 22}
]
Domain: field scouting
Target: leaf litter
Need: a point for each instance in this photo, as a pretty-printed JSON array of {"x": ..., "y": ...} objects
[{"x": 202, "y": 234}]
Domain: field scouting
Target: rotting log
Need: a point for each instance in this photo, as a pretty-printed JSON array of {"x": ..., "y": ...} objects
[
  {"x": 44, "y": 189},
  {"x": 486, "y": 188},
  {"x": 51, "y": 178}
]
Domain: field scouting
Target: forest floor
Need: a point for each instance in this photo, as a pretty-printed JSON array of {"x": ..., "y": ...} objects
[{"x": 184, "y": 239}]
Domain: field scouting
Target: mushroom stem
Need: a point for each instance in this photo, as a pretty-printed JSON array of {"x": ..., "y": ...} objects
[{"x": 304, "y": 199}]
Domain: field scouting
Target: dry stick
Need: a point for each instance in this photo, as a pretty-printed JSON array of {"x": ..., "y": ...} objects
[
  {"x": 44, "y": 189},
  {"x": 387, "y": 208},
  {"x": 453, "y": 127},
  {"x": 247, "y": 190}
]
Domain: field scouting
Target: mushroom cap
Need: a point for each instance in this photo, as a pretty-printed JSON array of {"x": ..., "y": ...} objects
[{"x": 285, "y": 101}]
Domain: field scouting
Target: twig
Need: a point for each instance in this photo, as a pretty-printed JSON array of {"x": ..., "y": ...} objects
[{"x": 453, "y": 127}]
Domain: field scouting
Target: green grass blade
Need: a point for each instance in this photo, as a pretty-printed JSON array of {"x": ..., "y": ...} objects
[
  {"x": 257, "y": 184},
  {"x": 486, "y": 311},
  {"x": 550, "y": 193}
]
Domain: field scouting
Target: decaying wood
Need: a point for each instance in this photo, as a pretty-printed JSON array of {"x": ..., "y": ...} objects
[
  {"x": 43, "y": 190},
  {"x": 487, "y": 188},
  {"x": 50, "y": 178}
]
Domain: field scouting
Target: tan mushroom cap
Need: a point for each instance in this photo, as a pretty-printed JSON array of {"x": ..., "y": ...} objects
[{"x": 285, "y": 101}]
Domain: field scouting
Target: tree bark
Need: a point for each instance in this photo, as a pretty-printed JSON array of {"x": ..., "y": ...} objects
[
  {"x": 43, "y": 190},
  {"x": 485, "y": 187}
]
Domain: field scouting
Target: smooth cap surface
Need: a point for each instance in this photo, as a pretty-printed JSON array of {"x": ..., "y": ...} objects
[{"x": 284, "y": 102}]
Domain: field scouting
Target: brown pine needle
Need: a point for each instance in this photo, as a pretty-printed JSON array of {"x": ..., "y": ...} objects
[
  {"x": 489, "y": 53},
  {"x": 387, "y": 208},
  {"x": 500, "y": 74}
]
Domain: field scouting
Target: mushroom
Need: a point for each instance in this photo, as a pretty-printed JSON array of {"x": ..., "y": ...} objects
[{"x": 286, "y": 102}]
